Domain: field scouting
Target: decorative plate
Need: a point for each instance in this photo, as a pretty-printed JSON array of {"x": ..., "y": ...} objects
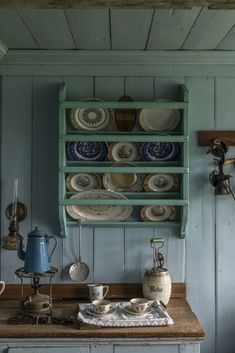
[
  {"x": 87, "y": 151},
  {"x": 123, "y": 152},
  {"x": 155, "y": 213},
  {"x": 92, "y": 119},
  {"x": 160, "y": 151},
  {"x": 161, "y": 182},
  {"x": 120, "y": 182},
  {"x": 125, "y": 118},
  {"x": 82, "y": 181},
  {"x": 163, "y": 120},
  {"x": 99, "y": 212}
]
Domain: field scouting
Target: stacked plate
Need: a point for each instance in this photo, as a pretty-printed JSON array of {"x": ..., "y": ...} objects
[
  {"x": 92, "y": 119},
  {"x": 157, "y": 213},
  {"x": 123, "y": 152},
  {"x": 87, "y": 151},
  {"x": 82, "y": 181},
  {"x": 123, "y": 182},
  {"x": 159, "y": 120},
  {"x": 161, "y": 182},
  {"x": 160, "y": 151},
  {"x": 99, "y": 212}
]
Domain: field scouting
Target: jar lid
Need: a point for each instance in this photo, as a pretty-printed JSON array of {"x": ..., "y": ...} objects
[{"x": 156, "y": 270}]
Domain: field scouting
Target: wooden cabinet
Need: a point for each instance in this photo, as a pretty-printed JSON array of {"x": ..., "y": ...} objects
[
  {"x": 177, "y": 199},
  {"x": 101, "y": 346}
]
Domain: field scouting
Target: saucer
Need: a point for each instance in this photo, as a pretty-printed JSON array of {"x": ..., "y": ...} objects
[
  {"x": 130, "y": 311},
  {"x": 91, "y": 312}
]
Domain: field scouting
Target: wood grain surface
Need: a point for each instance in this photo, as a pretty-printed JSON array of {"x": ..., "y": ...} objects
[
  {"x": 205, "y": 137},
  {"x": 185, "y": 325}
]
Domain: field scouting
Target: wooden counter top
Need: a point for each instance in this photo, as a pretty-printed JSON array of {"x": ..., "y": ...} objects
[{"x": 186, "y": 324}]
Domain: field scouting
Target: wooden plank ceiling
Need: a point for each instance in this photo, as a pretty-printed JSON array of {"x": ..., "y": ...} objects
[
  {"x": 143, "y": 4},
  {"x": 198, "y": 28}
]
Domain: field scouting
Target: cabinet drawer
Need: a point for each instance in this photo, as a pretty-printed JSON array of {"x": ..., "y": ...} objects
[
  {"x": 155, "y": 348},
  {"x": 46, "y": 349}
]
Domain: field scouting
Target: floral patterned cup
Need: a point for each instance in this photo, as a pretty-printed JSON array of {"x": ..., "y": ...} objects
[
  {"x": 101, "y": 306},
  {"x": 140, "y": 305}
]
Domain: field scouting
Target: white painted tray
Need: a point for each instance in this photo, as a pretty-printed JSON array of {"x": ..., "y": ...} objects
[{"x": 121, "y": 317}]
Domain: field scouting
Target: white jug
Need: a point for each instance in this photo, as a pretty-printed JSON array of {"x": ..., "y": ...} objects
[{"x": 2, "y": 286}]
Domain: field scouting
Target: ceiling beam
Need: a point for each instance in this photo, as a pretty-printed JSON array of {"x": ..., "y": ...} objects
[{"x": 131, "y": 4}]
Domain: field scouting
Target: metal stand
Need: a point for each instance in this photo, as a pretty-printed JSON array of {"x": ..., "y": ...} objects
[{"x": 36, "y": 305}]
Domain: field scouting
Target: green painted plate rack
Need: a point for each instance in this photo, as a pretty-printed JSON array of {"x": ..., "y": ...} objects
[{"x": 179, "y": 199}]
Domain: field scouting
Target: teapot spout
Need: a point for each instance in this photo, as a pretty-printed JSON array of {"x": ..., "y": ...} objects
[{"x": 21, "y": 253}]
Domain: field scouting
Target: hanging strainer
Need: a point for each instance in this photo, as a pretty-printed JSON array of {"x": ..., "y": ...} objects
[{"x": 79, "y": 271}]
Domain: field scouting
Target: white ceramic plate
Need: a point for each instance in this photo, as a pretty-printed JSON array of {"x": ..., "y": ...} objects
[
  {"x": 156, "y": 213},
  {"x": 123, "y": 152},
  {"x": 82, "y": 181},
  {"x": 129, "y": 310},
  {"x": 121, "y": 182},
  {"x": 159, "y": 182},
  {"x": 161, "y": 120},
  {"x": 92, "y": 119},
  {"x": 91, "y": 312},
  {"x": 99, "y": 212}
]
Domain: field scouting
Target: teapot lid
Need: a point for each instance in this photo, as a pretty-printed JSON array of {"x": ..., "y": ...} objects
[{"x": 37, "y": 233}]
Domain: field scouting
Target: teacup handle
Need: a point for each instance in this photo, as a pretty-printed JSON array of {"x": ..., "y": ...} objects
[
  {"x": 106, "y": 289},
  {"x": 2, "y": 286},
  {"x": 150, "y": 302}
]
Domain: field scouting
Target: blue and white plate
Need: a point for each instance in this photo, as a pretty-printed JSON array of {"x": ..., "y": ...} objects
[
  {"x": 87, "y": 151},
  {"x": 160, "y": 151}
]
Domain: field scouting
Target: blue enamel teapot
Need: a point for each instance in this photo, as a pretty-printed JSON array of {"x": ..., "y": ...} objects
[{"x": 36, "y": 257}]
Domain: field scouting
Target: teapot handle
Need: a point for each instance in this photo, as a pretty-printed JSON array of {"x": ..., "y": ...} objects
[{"x": 52, "y": 237}]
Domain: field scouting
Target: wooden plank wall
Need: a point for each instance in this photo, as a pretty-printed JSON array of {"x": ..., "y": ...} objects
[{"x": 204, "y": 260}]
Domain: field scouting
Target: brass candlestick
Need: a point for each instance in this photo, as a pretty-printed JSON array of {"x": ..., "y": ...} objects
[{"x": 16, "y": 213}]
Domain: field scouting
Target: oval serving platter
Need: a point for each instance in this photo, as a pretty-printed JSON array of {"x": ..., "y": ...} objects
[
  {"x": 92, "y": 119},
  {"x": 159, "y": 120},
  {"x": 125, "y": 118},
  {"x": 99, "y": 212},
  {"x": 160, "y": 151},
  {"x": 82, "y": 181}
]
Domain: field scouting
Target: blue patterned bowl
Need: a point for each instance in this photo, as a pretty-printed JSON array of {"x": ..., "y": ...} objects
[{"x": 160, "y": 151}]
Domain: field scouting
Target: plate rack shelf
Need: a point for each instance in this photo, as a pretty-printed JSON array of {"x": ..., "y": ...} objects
[{"x": 179, "y": 199}]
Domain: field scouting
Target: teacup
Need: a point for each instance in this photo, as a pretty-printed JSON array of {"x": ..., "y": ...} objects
[
  {"x": 140, "y": 305},
  {"x": 2, "y": 286},
  {"x": 97, "y": 291},
  {"x": 101, "y": 306}
]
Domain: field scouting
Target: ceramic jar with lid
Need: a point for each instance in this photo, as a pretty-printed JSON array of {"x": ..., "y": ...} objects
[
  {"x": 157, "y": 280},
  {"x": 157, "y": 284}
]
